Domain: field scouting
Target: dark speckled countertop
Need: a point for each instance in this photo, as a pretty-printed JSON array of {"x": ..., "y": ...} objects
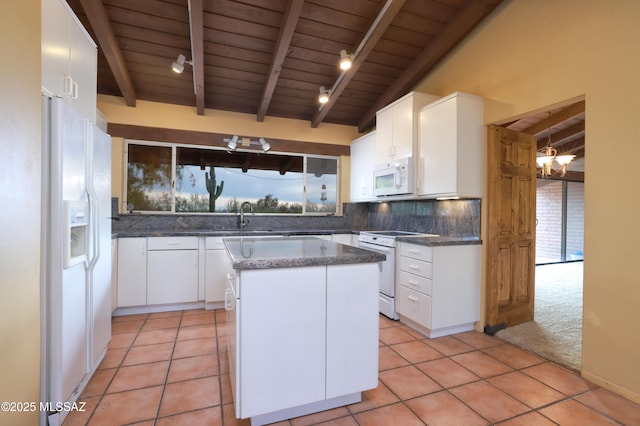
[
  {"x": 439, "y": 240},
  {"x": 294, "y": 251},
  {"x": 415, "y": 239}
]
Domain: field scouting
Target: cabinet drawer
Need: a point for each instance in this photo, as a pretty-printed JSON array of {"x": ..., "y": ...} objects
[
  {"x": 415, "y": 266},
  {"x": 172, "y": 243},
  {"x": 417, "y": 251},
  {"x": 415, "y": 306},
  {"x": 415, "y": 282},
  {"x": 214, "y": 243}
]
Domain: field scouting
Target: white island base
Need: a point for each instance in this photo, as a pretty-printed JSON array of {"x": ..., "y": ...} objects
[
  {"x": 303, "y": 410},
  {"x": 301, "y": 339}
]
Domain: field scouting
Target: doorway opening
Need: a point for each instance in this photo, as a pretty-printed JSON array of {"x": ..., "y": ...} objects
[{"x": 555, "y": 332}]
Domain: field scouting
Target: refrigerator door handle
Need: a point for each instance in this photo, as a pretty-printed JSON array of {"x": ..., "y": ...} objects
[{"x": 93, "y": 226}]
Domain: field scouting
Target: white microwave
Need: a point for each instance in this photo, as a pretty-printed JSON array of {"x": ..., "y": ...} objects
[{"x": 394, "y": 178}]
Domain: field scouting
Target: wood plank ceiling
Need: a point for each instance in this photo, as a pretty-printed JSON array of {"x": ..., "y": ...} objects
[
  {"x": 564, "y": 129},
  {"x": 270, "y": 57}
]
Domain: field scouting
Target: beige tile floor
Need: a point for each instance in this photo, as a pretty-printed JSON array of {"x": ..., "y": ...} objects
[{"x": 171, "y": 369}]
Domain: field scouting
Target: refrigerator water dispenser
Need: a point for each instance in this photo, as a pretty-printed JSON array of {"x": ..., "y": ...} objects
[{"x": 76, "y": 232}]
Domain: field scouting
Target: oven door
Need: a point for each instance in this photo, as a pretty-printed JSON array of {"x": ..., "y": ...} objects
[{"x": 387, "y": 268}]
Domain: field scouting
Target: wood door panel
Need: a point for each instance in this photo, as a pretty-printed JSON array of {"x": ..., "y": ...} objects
[{"x": 511, "y": 227}]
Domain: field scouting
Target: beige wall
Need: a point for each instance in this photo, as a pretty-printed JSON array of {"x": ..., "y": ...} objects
[
  {"x": 161, "y": 115},
  {"x": 531, "y": 54},
  {"x": 20, "y": 183}
]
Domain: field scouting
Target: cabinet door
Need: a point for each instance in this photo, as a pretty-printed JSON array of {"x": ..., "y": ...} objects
[
  {"x": 352, "y": 328},
  {"x": 404, "y": 128},
  {"x": 346, "y": 239},
  {"x": 384, "y": 136},
  {"x": 438, "y": 149},
  {"x": 363, "y": 161},
  {"x": 83, "y": 69},
  {"x": 217, "y": 267},
  {"x": 132, "y": 272},
  {"x": 281, "y": 338},
  {"x": 55, "y": 45},
  {"x": 172, "y": 276}
]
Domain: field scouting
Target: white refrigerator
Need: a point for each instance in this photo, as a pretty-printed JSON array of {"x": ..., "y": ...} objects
[{"x": 76, "y": 253}]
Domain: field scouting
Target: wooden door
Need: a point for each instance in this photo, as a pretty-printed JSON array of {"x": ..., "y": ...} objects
[{"x": 511, "y": 228}]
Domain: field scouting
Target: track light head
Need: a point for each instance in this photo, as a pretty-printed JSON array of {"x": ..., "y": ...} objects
[
  {"x": 323, "y": 98},
  {"x": 232, "y": 143},
  {"x": 345, "y": 60},
  {"x": 265, "y": 145},
  {"x": 178, "y": 65}
]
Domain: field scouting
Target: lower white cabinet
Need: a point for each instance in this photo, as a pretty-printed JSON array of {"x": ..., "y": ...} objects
[
  {"x": 132, "y": 272},
  {"x": 217, "y": 266},
  {"x": 346, "y": 239},
  {"x": 438, "y": 287},
  {"x": 302, "y": 336},
  {"x": 172, "y": 270}
]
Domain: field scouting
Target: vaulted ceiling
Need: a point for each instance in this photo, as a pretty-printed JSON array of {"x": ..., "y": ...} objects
[
  {"x": 564, "y": 129},
  {"x": 270, "y": 57}
]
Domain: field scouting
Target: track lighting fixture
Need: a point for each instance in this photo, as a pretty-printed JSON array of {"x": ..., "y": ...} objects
[
  {"x": 178, "y": 64},
  {"x": 345, "y": 60},
  {"x": 232, "y": 143},
  {"x": 323, "y": 98},
  {"x": 265, "y": 145}
]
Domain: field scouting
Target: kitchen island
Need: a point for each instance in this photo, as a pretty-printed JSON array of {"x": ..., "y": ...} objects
[{"x": 302, "y": 325}]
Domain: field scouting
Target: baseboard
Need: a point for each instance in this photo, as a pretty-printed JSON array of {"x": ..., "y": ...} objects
[
  {"x": 148, "y": 309},
  {"x": 593, "y": 378}
]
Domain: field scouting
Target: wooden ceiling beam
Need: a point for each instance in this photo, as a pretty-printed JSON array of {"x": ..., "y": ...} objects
[
  {"x": 97, "y": 15},
  {"x": 388, "y": 12},
  {"x": 287, "y": 28},
  {"x": 196, "y": 29},
  {"x": 561, "y": 116},
  {"x": 472, "y": 13}
]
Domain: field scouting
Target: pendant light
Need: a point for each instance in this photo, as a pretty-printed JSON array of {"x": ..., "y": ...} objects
[{"x": 547, "y": 155}]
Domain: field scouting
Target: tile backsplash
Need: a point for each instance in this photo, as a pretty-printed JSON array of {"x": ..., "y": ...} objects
[{"x": 455, "y": 218}]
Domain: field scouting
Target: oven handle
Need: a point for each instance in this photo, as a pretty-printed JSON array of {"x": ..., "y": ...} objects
[
  {"x": 374, "y": 247},
  {"x": 379, "y": 249}
]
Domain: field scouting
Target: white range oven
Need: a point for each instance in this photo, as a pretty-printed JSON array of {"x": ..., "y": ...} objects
[{"x": 385, "y": 242}]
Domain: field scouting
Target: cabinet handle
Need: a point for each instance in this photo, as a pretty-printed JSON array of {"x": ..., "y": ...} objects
[
  {"x": 413, "y": 283},
  {"x": 414, "y": 251},
  {"x": 229, "y": 300},
  {"x": 414, "y": 267},
  {"x": 67, "y": 85},
  {"x": 142, "y": 247},
  {"x": 412, "y": 298},
  {"x": 74, "y": 90}
]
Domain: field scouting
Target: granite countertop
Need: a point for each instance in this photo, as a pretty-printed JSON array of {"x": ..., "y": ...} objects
[
  {"x": 295, "y": 251},
  {"x": 415, "y": 239},
  {"x": 439, "y": 240},
  {"x": 224, "y": 232}
]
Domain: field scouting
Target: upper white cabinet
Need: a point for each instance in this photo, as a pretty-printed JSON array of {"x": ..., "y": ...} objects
[
  {"x": 450, "y": 147},
  {"x": 397, "y": 127},
  {"x": 69, "y": 58},
  {"x": 363, "y": 159}
]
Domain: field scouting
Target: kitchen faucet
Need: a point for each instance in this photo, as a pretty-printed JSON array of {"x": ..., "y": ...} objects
[{"x": 241, "y": 222}]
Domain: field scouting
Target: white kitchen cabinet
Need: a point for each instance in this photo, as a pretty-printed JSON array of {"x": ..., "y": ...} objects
[
  {"x": 69, "y": 58},
  {"x": 132, "y": 272},
  {"x": 281, "y": 340},
  {"x": 114, "y": 274},
  {"x": 217, "y": 266},
  {"x": 438, "y": 288},
  {"x": 363, "y": 160},
  {"x": 172, "y": 270},
  {"x": 302, "y": 339},
  {"x": 352, "y": 344},
  {"x": 397, "y": 127},
  {"x": 450, "y": 151},
  {"x": 346, "y": 239}
]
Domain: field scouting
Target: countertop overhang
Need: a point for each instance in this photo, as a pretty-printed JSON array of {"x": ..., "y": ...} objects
[{"x": 292, "y": 252}]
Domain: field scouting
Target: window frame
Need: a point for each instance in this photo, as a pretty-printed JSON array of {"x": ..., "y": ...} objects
[{"x": 174, "y": 146}]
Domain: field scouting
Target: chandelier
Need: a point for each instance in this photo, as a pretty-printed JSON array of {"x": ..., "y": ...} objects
[{"x": 548, "y": 156}]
